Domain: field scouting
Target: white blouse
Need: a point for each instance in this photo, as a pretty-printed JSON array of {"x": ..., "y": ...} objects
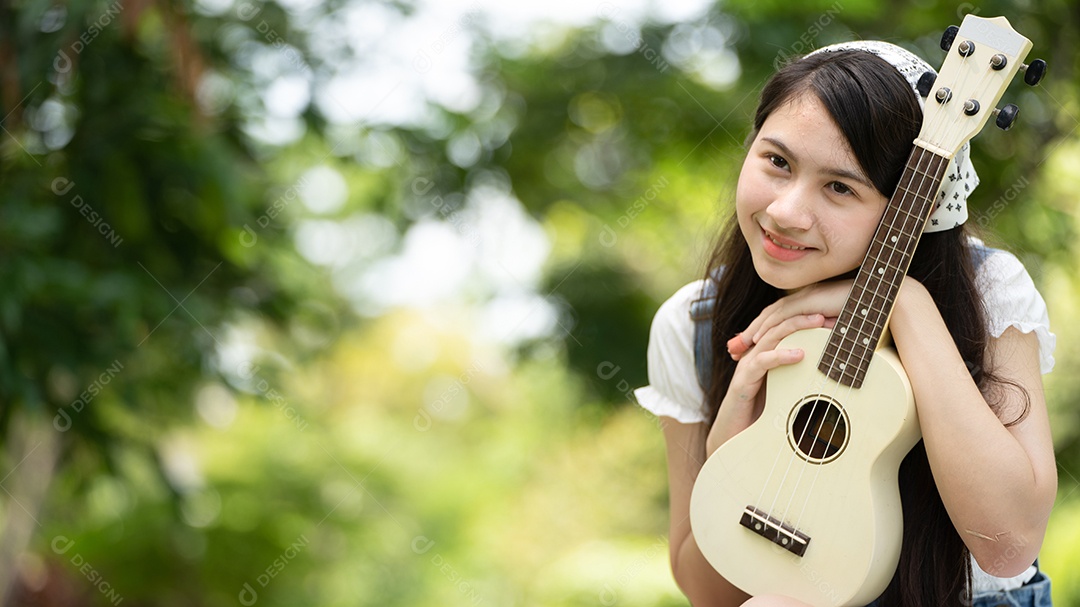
[{"x": 1011, "y": 301}]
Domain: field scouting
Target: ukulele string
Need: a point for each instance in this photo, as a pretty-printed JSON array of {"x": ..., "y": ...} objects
[
  {"x": 891, "y": 264},
  {"x": 930, "y": 173},
  {"x": 900, "y": 208},
  {"x": 832, "y": 395}
]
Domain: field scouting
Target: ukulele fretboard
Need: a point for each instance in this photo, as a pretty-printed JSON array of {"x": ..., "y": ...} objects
[{"x": 869, "y": 305}]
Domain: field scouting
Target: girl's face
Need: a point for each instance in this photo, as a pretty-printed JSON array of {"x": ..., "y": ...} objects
[{"x": 805, "y": 206}]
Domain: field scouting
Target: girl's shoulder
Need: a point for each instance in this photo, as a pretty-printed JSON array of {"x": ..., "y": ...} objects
[
  {"x": 673, "y": 319},
  {"x": 1012, "y": 299},
  {"x": 673, "y": 389}
]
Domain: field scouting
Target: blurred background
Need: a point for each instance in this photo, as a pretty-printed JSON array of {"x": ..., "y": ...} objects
[{"x": 342, "y": 303}]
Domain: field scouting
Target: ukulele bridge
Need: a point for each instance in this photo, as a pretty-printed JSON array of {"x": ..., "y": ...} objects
[{"x": 774, "y": 530}]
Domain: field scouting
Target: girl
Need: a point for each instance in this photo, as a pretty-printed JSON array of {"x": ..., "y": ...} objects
[{"x": 831, "y": 135}]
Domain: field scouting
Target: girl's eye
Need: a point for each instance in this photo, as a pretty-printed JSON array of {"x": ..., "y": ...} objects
[
  {"x": 840, "y": 188},
  {"x": 778, "y": 161}
]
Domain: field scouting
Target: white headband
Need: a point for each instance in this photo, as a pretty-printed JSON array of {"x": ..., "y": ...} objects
[{"x": 961, "y": 178}]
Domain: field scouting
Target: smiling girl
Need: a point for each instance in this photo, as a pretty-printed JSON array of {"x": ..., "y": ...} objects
[{"x": 830, "y": 138}]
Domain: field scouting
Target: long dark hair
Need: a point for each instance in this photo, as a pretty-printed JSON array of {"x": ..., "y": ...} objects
[{"x": 877, "y": 111}]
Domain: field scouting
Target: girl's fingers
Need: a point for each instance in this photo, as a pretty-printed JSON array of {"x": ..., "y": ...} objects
[
  {"x": 737, "y": 346},
  {"x": 771, "y": 338},
  {"x": 825, "y": 298},
  {"x": 781, "y": 357},
  {"x": 751, "y": 373}
]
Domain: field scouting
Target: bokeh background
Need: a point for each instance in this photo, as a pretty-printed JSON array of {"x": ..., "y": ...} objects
[{"x": 342, "y": 303}]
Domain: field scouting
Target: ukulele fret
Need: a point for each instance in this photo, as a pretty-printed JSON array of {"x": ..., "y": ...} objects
[{"x": 866, "y": 312}]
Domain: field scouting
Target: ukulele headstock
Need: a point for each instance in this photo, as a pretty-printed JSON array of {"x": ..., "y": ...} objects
[{"x": 984, "y": 55}]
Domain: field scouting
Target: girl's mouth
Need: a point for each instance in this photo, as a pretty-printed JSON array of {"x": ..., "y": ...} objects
[
  {"x": 785, "y": 246},
  {"x": 781, "y": 248}
]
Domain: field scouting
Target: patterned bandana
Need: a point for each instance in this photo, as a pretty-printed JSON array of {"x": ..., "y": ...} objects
[{"x": 951, "y": 208}]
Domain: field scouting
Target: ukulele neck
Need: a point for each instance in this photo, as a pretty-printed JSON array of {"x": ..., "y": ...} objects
[{"x": 861, "y": 325}]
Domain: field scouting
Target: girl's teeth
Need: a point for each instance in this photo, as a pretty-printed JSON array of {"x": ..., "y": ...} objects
[{"x": 784, "y": 246}]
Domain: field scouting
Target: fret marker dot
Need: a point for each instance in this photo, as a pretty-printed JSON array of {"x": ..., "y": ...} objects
[
  {"x": 842, "y": 366},
  {"x": 881, "y": 270},
  {"x": 866, "y": 340},
  {"x": 893, "y": 239},
  {"x": 843, "y": 330},
  {"x": 863, "y": 312}
]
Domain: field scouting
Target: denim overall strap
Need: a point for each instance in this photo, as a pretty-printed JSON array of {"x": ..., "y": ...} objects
[
  {"x": 701, "y": 311},
  {"x": 979, "y": 253}
]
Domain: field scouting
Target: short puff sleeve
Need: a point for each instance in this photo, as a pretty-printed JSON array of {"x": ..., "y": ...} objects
[
  {"x": 1012, "y": 300},
  {"x": 673, "y": 389}
]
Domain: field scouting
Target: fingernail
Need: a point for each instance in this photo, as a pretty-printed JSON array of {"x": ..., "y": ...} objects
[{"x": 736, "y": 346}]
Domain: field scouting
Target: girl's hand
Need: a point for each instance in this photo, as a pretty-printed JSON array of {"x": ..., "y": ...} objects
[
  {"x": 741, "y": 405},
  {"x": 825, "y": 298}
]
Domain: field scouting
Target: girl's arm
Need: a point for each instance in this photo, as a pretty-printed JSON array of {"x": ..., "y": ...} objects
[
  {"x": 998, "y": 483},
  {"x": 688, "y": 445},
  {"x": 693, "y": 574}
]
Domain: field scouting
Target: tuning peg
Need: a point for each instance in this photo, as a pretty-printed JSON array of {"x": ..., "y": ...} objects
[
  {"x": 1006, "y": 116},
  {"x": 948, "y": 37},
  {"x": 926, "y": 82},
  {"x": 1034, "y": 71}
]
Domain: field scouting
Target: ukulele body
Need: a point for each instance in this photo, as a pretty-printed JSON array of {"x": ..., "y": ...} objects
[{"x": 817, "y": 472}]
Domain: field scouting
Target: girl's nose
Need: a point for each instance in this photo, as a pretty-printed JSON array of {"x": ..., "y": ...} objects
[{"x": 791, "y": 208}]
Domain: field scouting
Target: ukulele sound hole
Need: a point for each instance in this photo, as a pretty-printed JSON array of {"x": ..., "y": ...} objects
[{"x": 818, "y": 430}]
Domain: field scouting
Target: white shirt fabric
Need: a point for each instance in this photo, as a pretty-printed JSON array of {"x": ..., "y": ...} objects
[{"x": 1011, "y": 301}]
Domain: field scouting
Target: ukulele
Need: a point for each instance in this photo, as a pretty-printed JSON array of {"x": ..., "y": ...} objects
[{"x": 805, "y": 501}]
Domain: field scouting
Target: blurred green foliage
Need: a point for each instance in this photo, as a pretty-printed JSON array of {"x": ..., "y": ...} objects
[{"x": 246, "y": 435}]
